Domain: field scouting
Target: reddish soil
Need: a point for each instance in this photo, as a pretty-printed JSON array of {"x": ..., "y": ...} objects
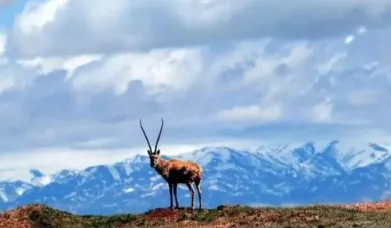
[
  {"x": 165, "y": 214},
  {"x": 168, "y": 215},
  {"x": 372, "y": 206},
  {"x": 18, "y": 217}
]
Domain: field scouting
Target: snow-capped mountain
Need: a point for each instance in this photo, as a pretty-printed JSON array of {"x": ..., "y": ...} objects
[
  {"x": 276, "y": 175},
  {"x": 10, "y": 191}
]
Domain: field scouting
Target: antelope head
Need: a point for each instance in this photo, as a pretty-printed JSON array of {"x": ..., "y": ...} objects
[{"x": 154, "y": 155}]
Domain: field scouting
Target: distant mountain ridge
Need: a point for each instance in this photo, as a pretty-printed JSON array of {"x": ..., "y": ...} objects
[{"x": 277, "y": 175}]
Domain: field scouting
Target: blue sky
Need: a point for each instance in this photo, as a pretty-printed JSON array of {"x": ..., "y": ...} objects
[
  {"x": 8, "y": 11},
  {"x": 78, "y": 74}
]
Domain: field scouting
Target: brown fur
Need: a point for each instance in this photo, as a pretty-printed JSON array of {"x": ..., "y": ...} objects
[{"x": 176, "y": 172}]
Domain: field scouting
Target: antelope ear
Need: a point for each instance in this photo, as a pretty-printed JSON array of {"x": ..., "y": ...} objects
[{"x": 158, "y": 152}]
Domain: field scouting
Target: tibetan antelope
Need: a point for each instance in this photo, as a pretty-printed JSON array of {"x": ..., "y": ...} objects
[{"x": 175, "y": 172}]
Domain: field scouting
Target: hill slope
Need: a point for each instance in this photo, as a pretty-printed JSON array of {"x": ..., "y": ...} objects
[{"x": 367, "y": 215}]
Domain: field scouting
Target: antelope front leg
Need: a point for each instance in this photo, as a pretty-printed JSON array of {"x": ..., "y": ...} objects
[
  {"x": 175, "y": 195},
  {"x": 198, "y": 185},
  {"x": 171, "y": 200},
  {"x": 192, "y": 194}
]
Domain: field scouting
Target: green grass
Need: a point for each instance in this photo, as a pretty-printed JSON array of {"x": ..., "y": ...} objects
[
  {"x": 234, "y": 216},
  {"x": 51, "y": 218}
]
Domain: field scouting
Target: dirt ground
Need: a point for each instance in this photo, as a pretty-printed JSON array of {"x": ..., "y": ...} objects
[{"x": 376, "y": 214}]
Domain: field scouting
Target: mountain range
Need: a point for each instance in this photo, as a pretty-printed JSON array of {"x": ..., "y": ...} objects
[{"x": 274, "y": 175}]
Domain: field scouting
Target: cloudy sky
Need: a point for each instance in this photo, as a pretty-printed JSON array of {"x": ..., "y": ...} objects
[{"x": 76, "y": 75}]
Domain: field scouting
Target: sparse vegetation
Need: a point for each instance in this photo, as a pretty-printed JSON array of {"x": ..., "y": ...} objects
[{"x": 37, "y": 216}]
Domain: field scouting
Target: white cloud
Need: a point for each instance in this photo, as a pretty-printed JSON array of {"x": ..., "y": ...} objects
[
  {"x": 37, "y": 14},
  {"x": 58, "y": 27},
  {"x": 352, "y": 37},
  {"x": 6, "y": 83},
  {"x": 50, "y": 160},
  {"x": 3, "y": 40},
  {"x": 363, "y": 97},
  {"x": 11, "y": 76},
  {"x": 253, "y": 113},
  {"x": 362, "y": 30},
  {"x": 266, "y": 68},
  {"x": 349, "y": 39},
  {"x": 70, "y": 64},
  {"x": 371, "y": 65},
  {"x": 198, "y": 90},
  {"x": 158, "y": 70},
  {"x": 322, "y": 112},
  {"x": 48, "y": 98},
  {"x": 331, "y": 64}
]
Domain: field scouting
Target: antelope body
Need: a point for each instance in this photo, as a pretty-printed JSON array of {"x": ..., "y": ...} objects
[{"x": 175, "y": 172}]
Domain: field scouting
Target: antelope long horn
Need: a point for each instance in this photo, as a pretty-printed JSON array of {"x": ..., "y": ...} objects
[
  {"x": 160, "y": 133},
  {"x": 145, "y": 135}
]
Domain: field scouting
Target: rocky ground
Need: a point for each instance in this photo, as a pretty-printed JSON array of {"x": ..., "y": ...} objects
[{"x": 353, "y": 215}]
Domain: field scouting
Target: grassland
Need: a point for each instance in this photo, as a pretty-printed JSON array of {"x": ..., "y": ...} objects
[{"x": 363, "y": 215}]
